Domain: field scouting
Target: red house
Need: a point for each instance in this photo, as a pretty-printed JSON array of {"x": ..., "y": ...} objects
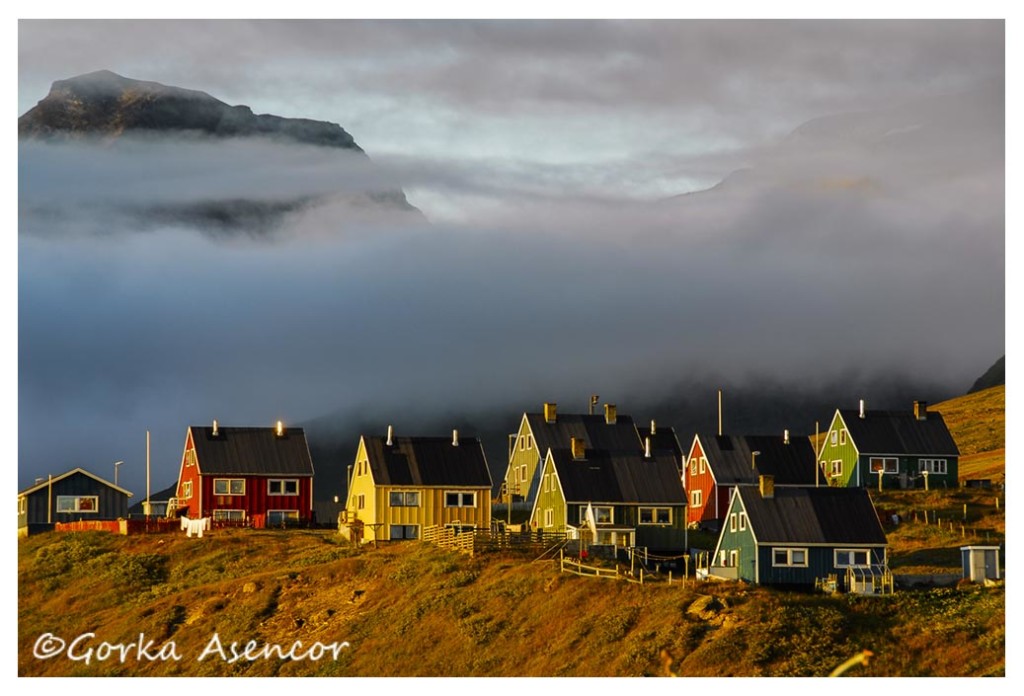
[
  {"x": 716, "y": 464},
  {"x": 254, "y": 475}
]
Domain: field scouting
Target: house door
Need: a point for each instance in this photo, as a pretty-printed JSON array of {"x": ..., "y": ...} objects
[{"x": 979, "y": 571}]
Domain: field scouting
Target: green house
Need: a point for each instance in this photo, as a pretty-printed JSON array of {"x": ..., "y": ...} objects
[
  {"x": 795, "y": 536},
  {"x": 637, "y": 497},
  {"x": 550, "y": 429},
  {"x": 891, "y": 449}
]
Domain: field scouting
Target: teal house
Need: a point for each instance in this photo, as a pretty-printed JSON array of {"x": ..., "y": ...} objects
[
  {"x": 797, "y": 536},
  {"x": 890, "y": 449}
]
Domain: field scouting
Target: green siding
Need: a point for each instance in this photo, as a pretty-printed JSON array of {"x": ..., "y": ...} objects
[
  {"x": 523, "y": 455},
  {"x": 847, "y": 453},
  {"x": 740, "y": 541},
  {"x": 654, "y": 536}
]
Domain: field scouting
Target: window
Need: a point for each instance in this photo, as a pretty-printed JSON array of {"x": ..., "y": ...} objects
[
  {"x": 837, "y": 467},
  {"x": 732, "y": 522},
  {"x": 229, "y": 486},
  {"x": 529, "y": 442},
  {"x": 277, "y": 518},
  {"x": 703, "y": 464},
  {"x": 361, "y": 502},
  {"x": 932, "y": 466},
  {"x": 734, "y": 556},
  {"x": 522, "y": 473},
  {"x": 743, "y": 521},
  {"x": 835, "y": 438},
  {"x": 796, "y": 558},
  {"x": 522, "y": 443},
  {"x": 549, "y": 517},
  {"x": 842, "y": 437},
  {"x": 283, "y": 487},
  {"x": 459, "y": 499},
  {"x": 405, "y": 499},
  {"x": 405, "y": 531},
  {"x": 693, "y": 467},
  {"x": 655, "y": 515},
  {"x": 22, "y": 505},
  {"x": 602, "y": 514},
  {"x": 229, "y": 515},
  {"x": 186, "y": 490},
  {"x": 190, "y": 457},
  {"x": 78, "y": 503},
  {"x": 696, "y": 498},
  {"x": 851, "y": 557},
  {"x": 887, "y": 465}
]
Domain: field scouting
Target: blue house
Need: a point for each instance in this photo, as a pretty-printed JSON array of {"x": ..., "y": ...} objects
[
  {"x": 72, "y": 496},
  {"x": 799, "y": 536}
]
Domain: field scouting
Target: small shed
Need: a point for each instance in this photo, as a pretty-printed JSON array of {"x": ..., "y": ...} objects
[{"x": 980, "y": 563}]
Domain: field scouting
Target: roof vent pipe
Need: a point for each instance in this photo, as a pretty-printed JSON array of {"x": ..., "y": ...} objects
[
  {"x": 654, "y": 427},
  {"x": 391, "y": 431},
  {"x": 215, "y": 427},
  {"x": 280, "y": 429},
  {"x": 455, "y": 438},
  {"x": 647, "y": 447},
  {"x": 862, "y": 408},
  {"x": 785, "y": 436}
]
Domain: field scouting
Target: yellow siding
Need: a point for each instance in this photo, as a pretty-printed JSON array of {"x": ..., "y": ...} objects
[{"x": 362, "y": 485}]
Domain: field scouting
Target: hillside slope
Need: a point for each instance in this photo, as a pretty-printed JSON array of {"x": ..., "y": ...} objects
[{"x": 411, "y": 610}]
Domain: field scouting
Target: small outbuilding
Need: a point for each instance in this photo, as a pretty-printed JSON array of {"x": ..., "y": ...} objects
[
  {"x": 980, "y": 563},
  {"x": 71, "y": 497}
]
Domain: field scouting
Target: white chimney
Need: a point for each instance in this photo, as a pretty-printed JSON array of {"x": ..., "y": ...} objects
[
  {"x": 862, "y": 408},
  {"x": 390, "y": 433},
  {"x": 654, "y": 427},
  {"x": 455, "y": 438},
  {"x": 215, "y": 427},
  {"x": 280, "y": 428},
  {"x": 785, "y": 436},
  {"x": 647, "y": 447}
]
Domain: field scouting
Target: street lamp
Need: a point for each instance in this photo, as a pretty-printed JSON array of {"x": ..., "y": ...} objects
[
  {"x": 116, "y": 466},
  {"x": 753, "y": 459}
]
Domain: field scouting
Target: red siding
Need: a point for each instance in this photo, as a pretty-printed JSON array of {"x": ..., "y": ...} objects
[
  {"x": 189, "y": 472},
  {"x": 705, "y": 483},
  {"x": 256, "y": 500}
]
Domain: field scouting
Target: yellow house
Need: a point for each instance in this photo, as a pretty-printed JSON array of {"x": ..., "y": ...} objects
[{"x": 399, "y": 485}]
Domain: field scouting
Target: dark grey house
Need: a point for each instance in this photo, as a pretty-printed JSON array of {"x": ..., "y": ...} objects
[{"x": 72, "y": 496}]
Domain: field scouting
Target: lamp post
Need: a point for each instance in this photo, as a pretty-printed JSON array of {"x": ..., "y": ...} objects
[
  {"x": 117, "y": 465},
  {"x": 753, "y": 459}
]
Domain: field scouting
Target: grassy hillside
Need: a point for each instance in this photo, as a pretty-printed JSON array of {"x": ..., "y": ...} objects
[
  {"x": 409, "y": 609},
  {"x": 977, "y": 421}
]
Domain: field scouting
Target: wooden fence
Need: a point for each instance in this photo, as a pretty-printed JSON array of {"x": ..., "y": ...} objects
[{"x": 448, "y": 538}]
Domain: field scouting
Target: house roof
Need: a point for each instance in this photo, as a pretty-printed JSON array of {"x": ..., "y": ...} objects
[
  {"x": 729, "y": 457},
  {"x": 427, "y": 461},
  {"x": 66, "y": 474},
  {"x": 899, "y": 432},
  {"x": 663, "y": 440},
  {"x": 251, "y": 451},
  {"x": 619, "y": 477},
  {"x": 812, "y": 516},
  {"x": 160, "y": 497},
  {"x": 595, "y": 432}
]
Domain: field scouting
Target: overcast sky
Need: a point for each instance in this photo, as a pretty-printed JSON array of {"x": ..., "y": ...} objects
[{"x": 865, "y": 230}]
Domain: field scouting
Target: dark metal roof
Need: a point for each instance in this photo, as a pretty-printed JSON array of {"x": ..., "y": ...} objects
[
  {"x": 427, "y": 461},
  {"x": 158, "y": 497},
  {"x": 663, "y": 440},
  {"x": 252, "y": 451},
  {"x": 899, "y": 432},
  {"x": 619, "y": 477},
  {"x": 620, "y": 436},
  {"x": 813, "y": 516},
  {"x": 729, "y": 457}
]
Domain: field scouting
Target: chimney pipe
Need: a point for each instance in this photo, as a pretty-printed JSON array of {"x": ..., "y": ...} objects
[
  {"x": 785, "y": 436},
  {"x": 647, "y": 447},
  {"x": 719, "y": 413},
  {"x": 280, "y": 429},
  {"x": 391, "y": 432},
  {"x": 550, "y": 412},
  {"x": 609, "y": 414},
  {"x": 455, "y": 438},
  {"x": 215, "y": 427},
  {"x": 594, "y": 398},
  {"x": 862, "y": 408},
  {"x": 654, "y": 427}
]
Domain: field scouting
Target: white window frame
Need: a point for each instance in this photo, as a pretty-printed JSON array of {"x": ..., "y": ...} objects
[
  {"x": 849, "y": 555},
  {"x": 886, "y": 461},
  {"x": 290, "y": 515},
  {"x": 693, "y": 466},
  {"x": 408, "y": 499},
  {"x": 404, "y": 528},
  {"x": 190, "y": 458},
  {"x": 696, "y": 498},
  {"x": 603, "y": 514},
  {"x": 283, "y": 484},
  {"x": 529, "y": 442},
  {"x": 790, "y": 553},
  {"x": 933, "y": 466},
  {"x": 461, "y": 498},
  {"x": 549, "y": 517},
  {"x": 522, "y": 473},
  {"x": 834, "y": 438},
  {"x": 22, "y": 505},
  {"x": 522, "y": 443},
  {"x": 733, "y": 524},
  {"x": 842, "y": 437},
  {"x": 229, "y": 486},
  {"x": 734, "y": 558},
  {"x": 654, "y": 513},
  {"x": 360, "y": 501},
  {"x": 703, "y": 465},
  {"x": 186, "y": 490},
  {"x": 229, "y": 515},
  {"x": 837, "y": 468},
  {"x": 743, "y": 521},
  {"x": 76, "y": 504}
]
